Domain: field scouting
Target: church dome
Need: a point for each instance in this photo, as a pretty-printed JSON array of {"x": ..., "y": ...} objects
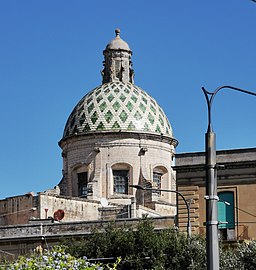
[{"x": 117, "y": 107}]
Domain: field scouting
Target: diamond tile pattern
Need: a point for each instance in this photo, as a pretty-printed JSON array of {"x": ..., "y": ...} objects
[{"x": 117, "y": 105}]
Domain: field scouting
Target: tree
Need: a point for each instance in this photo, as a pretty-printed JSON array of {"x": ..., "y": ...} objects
[
  {"x": 141, "y": 247},
  {"x": 137, "y": 247}
]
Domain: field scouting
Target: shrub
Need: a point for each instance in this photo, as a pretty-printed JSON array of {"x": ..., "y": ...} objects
[{"x": 56, "y": 258}]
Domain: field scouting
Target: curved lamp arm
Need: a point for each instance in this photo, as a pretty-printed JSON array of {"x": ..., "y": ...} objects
[
  {"x": 171, "y": 191},
  {"x": 210, "y": 97}
]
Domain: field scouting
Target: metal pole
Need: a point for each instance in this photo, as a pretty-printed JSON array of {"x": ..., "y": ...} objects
[
  {"x": 212, "y": 241},
  {"x": 188, "y": 211},
  {"x": 178, "y": 193},
  {"x": 211, "y": 197}
]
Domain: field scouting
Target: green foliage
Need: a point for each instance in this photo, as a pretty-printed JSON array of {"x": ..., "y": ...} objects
[
  {"x": 141, "y": 247},
  {"x": 228, "y": 258},
  {"x": 57, "y": 258},
  {"x": 239, "y": 257},
  {"x": 246, "y": 256},
  {"x": 137, "y": 248}
]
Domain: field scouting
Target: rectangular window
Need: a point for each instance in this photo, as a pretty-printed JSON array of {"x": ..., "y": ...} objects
[
  {"x": 226, "y": 211},
  {"x": 157, "y": 177},
  {"x": 82, "y": 184},
  {"x": 121, "y": 181}
]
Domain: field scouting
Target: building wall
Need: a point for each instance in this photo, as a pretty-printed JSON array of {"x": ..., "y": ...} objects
[
  {"x": 238, "y": 176},
  {"x": 22, "y": 239},
  {"x": 26, "y": 208},
  {"x": 18, "y": 209},
  {"x": 99, "y": 154},
  {"x": 75, "y": 209}
]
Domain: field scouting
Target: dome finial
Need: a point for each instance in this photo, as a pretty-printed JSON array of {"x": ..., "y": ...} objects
[
  {"x": 117, "y": 61},
  {"x": 117, "y": 32}
]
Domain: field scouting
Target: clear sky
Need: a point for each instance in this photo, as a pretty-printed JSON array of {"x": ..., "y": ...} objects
[{"x": 51, "y": 56}]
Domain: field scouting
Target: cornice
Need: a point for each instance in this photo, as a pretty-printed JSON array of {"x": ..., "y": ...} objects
[{"x": 227, "y": 166}]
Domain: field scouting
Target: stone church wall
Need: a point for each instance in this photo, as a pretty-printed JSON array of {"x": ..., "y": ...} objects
[
  {"x": 99, "y": 154},
  {"x": 75, "y": 209}
]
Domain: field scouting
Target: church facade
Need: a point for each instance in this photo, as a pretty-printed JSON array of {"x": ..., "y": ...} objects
[{"x": 116, "y": 136}]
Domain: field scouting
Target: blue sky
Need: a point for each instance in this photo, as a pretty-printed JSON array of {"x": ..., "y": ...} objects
[{"x": 51, "y": 56}]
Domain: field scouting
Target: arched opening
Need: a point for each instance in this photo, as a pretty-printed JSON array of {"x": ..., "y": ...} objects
[
  {"x": 160, "y": 178},
  {"x": 82, "y": 181},
  {"x": 121, "y": 178},
  {"x": 80, "y": 176}
]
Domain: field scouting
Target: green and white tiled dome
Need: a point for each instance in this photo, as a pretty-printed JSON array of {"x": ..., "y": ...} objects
[{"x": 117, "y": 106}]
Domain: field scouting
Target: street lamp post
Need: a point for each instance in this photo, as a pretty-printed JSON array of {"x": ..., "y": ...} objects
[
  {"x": 211, "y": 197},
  {"x": 173, "y": 191}
]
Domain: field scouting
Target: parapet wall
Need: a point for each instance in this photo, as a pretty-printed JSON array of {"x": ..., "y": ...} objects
[{"x": 22, "y": 239}]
